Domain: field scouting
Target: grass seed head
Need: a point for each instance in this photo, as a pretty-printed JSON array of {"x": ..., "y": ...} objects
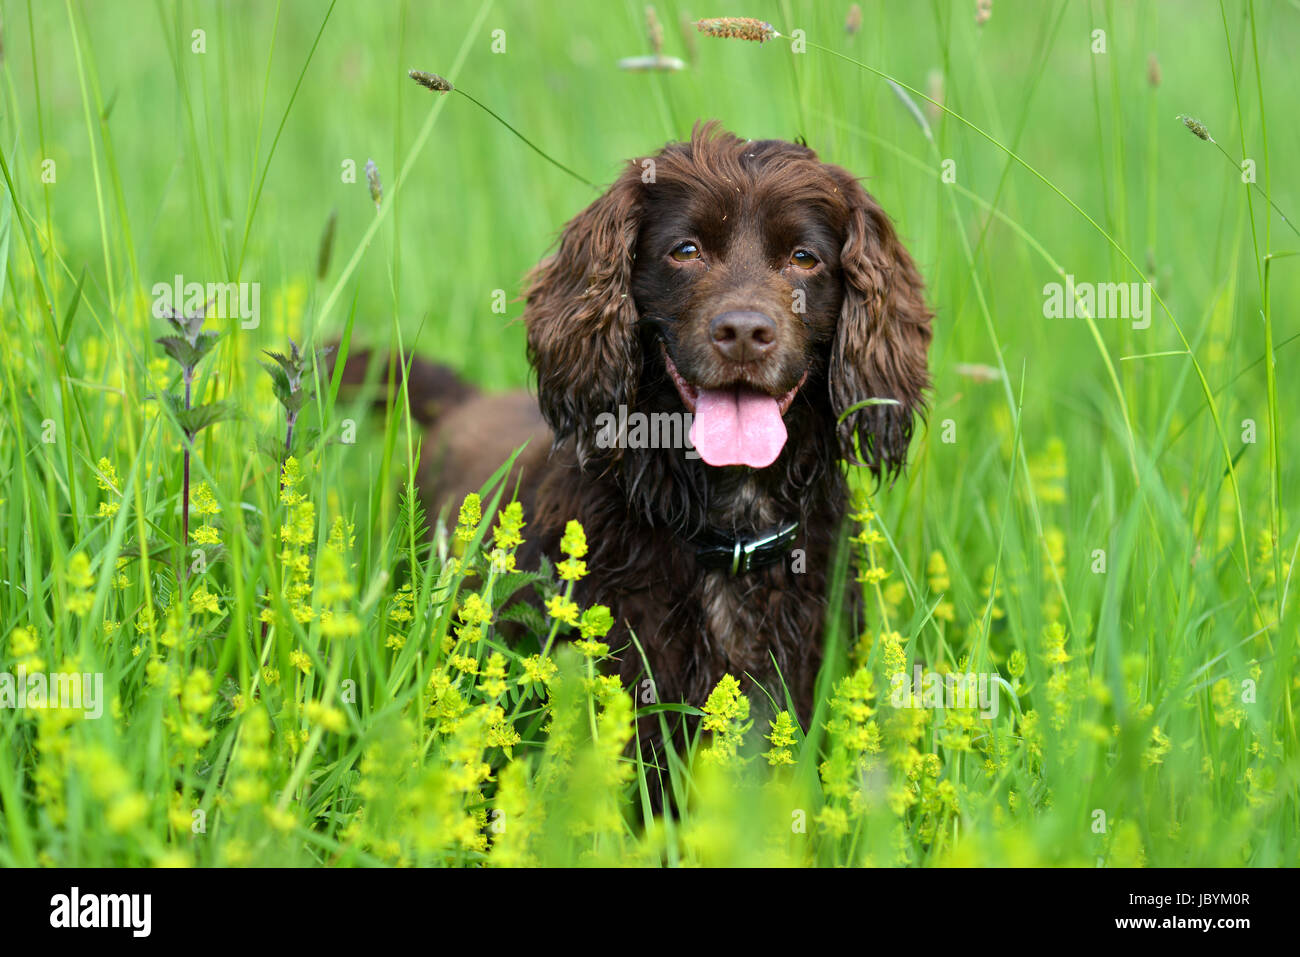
[
  {"x": 934, "y": 90},
  {"x": 1153, "y": 70},
  {"x": 853, "y": 22},
  {"x": 431, "y": 81},
  {"x": 654, "y": 30},
  {"x": 1197, "y": 127},
  {"x": 737, "y": 28},
  {"x": 688, "y": 37},
  {"x": 372, "y": 180}
]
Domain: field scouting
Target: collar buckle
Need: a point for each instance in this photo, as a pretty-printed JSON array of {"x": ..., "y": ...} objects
[{"x": 739, "y": 555}]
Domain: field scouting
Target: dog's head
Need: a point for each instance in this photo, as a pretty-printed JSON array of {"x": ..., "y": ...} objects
[{"x": 735, "y": 280}]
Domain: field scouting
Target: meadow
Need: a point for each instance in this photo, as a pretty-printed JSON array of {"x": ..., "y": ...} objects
[{"x": 1100, "y": 516}]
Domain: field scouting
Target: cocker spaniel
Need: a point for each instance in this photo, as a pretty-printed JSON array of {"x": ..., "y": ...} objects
[{"x": 704, "y": 339}]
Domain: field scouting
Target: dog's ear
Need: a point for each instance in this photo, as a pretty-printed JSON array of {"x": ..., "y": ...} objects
[
  {"x": 582, "y": 322},
  {"x": 881, "y": 340}
]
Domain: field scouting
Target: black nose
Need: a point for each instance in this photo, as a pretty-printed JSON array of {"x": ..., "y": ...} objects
[{"x": 743, "y": 336}]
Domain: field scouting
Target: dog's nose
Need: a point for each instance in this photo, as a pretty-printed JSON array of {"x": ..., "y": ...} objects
[{"x": 743, "y": 336}]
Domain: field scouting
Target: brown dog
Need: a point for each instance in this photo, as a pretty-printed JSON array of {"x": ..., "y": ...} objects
[{"x": 766, "y": 294}]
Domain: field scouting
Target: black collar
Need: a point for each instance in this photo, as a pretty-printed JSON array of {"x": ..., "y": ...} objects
[{"x": 715, "y": 549}]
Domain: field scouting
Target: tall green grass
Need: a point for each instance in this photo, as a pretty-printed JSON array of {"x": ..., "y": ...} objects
[{"x": 1102, "y": 515}]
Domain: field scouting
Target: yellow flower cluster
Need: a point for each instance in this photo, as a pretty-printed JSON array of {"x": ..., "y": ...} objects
[
  {"x": 79, "y": 581},
  {"x": 506, "y": 538},
  {"x": 471, "y": 514},
  {"x": 125, "y": 807},
  {"x": 335, "y": 588},
  {"x": 297, "y": 534},
  {"x": 204, "y": 504},
  {"x": 782, "y": 737},
  {"x": 726, "y": 714},
  {"x": 107, "y": 480},
  {"x": 936, "y": 572},
  {"x": 574, "y": 545}
]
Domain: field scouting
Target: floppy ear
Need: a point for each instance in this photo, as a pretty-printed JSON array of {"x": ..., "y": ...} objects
[
  {"x": 582, "y": 335},
  {"x": 882, "y": 338}
]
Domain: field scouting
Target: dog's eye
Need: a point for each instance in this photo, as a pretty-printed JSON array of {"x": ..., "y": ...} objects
[
  {"x": 685, "y": 252},
  {"x": 803, "y": 259}
]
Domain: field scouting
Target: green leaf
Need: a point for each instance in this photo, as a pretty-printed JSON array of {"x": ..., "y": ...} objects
[
  {"x": 158, "y": 551},
  {"x": 272, "y": 446},
  {"x": 862, "y": 405},
  {"x": 294, "y": 402},
  {"x": 509, "y": 583},
  {"x": 290, "y": 366},
  {"x": 187, "y": 326},
  {"x": 679, "y": 708},
  {"x": 530, "y": 616},
  {"x": 72, "y": 309},
  {"x": 179, "y": 348},
  {"x": 279, "y": 380},
  {"x": 195, "y": 420},
  {"x": 204, "y": 342},
  {"x": 410, "y": 515},
  {"x": 305, "y": 441},
  {"x": 172, "y": 400}
]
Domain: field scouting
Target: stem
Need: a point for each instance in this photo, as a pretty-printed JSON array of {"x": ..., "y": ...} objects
[
  {"x": 185, "y": 506},
  {"x": 546, "y": 651},
  {"x": 527, "y": 142},
  {"x": 1259, "y": 189},
  {"x": 185, "y": 497},
  {"x": 292, "y": 420},
  {"x": 309, "y": 750}
]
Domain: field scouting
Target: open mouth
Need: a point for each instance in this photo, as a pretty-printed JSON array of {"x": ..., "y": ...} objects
[{"x": 736, "y": 424}]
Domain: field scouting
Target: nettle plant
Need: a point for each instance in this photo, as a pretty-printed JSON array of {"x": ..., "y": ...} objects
[
  {"x": 291, "y": 374},
  {"x": 187, "y": 346},
  {"x": 289, "y": 377}
]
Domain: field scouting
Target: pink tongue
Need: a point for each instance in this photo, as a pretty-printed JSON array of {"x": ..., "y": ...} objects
[{"x": 737, "y": 426}]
